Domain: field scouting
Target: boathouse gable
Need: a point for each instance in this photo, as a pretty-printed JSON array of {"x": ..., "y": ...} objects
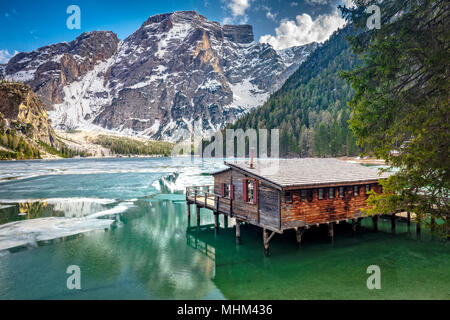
[{"x": 264, "y": 207}]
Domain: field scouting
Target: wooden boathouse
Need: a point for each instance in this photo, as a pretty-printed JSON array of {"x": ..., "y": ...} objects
[{"x": 278, "y": 195}]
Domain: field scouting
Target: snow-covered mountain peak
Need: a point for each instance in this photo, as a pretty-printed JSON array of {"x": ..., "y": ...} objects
[{"x": 177, "y": 69}]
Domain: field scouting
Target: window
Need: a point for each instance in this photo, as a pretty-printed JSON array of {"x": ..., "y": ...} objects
[
  {"x": 341, "y": 192},
  {"x": 356, "y": 190},
  {"x": 303, "y": 195},
  {"x": 288, "y": 197},
  {"x": 331, "y": 193},
  {"x": 226, "y": 190},
  {"x": 250, "y": 191},
  {"x": 250, "y": 194},
  {"x": 320, "y": 194},
  {"x": 367, "y": 188}
]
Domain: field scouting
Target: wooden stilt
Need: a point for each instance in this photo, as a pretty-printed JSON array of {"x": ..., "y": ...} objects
[
  {"x": 433, "y": 224},
  {"x": 408, "y": 217},
  {"x": 198, "y": 215},
  {"x": 216, "y": 221},
  {"x": 354, "y": 224},
  {"x": 298, "y": 234},
  {"x": 238, "y": 232},
  {"x": 393, "y": 222},
  {"x": 375, "y": 222},
  {"x": 189, "y": 211},
  {"x": 266, "y": 242},
  {"x": 331, "y": 230},
  {"x": 448, "y": 231},
  {"x": 225, "y": 221},
  {"x": 266, "y": 239},
  {"x": 418, "y": 227}
]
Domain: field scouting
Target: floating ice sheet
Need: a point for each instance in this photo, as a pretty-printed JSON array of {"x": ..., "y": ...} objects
[{"x": 29, "y": 232}]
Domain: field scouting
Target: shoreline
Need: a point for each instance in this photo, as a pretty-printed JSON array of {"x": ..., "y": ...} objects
[{"x": 348, "y": 159}]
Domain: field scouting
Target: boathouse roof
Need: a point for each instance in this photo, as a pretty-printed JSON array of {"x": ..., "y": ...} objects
[{"x": 309, "y": 172}]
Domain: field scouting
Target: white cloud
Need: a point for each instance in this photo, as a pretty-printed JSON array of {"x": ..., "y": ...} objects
[
  {"x": 321, "y": 2},
  {"x": 238, "y": 10},
  {"x": 294, "y": 4},
  {"x": 348, "y": 3},
  {"x": 304, "y": 30},
  {"x": 238, "y": 7},
  {"x": 269, "y": 14},
  {"x": 5, "y": 56}
]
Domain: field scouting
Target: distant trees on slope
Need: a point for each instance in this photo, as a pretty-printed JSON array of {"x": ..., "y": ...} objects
[{"x": 311, "y": 108}]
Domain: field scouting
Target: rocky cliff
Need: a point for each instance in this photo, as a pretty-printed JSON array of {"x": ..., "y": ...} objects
[{"x": 24, "y": 125}]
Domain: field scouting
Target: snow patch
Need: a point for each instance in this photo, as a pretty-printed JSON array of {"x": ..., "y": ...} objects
[
  {"x": 83, "y": 98},
  {"x": 247, "y": 95}
]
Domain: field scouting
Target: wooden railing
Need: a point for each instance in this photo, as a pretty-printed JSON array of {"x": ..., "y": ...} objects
[{"x": 202, "y": 194}]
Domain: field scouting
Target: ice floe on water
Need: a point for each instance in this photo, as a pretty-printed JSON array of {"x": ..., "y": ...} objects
[
  {"x": 70, "y": 216},
  {"x": 30, "y": 232},
  {"x": 121, "y": 207}
]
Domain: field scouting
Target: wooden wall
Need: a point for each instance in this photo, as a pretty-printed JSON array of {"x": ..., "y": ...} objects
[
  {"x": 314, "y": 211},
  {"x": 224, "y": 177},
  {"x": 269, "y": 206},
  {"x": 265, "y": 213}
]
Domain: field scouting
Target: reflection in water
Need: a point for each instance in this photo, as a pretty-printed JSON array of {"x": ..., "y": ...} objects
[
  {"x": 324, "y": 270},
  {"x": 156, "y": 253}
]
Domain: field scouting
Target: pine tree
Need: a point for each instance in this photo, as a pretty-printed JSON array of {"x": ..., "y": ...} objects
[{"x": 402, "y": 103}]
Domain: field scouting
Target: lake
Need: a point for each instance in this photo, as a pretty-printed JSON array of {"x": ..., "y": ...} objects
[{"x": 124, "y": 223}]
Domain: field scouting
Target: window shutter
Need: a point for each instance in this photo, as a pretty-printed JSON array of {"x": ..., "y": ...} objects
[
  {"x": 223, "y": 189},
  {"x": 231, "y": 191},
  {"x": 244, "y": 190},
  {"x": 255, "y": 192}
]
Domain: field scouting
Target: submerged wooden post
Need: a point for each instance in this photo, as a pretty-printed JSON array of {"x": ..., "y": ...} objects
[
  {"x": 408, "y": 217},
  {"x": 418, "y": 227},
  {"x": 393, "y": 222},
  {"x": 375, "y": 222},
  {"x": 238, "y": 232}
]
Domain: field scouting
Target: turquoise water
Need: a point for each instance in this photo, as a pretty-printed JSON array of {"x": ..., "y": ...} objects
[{"x": 149, "y": 250}]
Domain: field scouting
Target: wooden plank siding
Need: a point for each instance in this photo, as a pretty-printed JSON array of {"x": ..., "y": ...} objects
[
  {"x": 314, "y": 211},
  {"x": 269, "y": 206},
  {"x": 219, "y": 179},
  {"x": 266, "y": 211}
]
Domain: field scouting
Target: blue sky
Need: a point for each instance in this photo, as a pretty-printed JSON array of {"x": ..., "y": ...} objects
[{"x": 27, "y": 25}]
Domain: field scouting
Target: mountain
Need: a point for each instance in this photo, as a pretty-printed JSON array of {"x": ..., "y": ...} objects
[
  {"x": 24, "y": 126},
  {"x": 310, "y": 108},
  {"x": 178, "y": 71}
]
